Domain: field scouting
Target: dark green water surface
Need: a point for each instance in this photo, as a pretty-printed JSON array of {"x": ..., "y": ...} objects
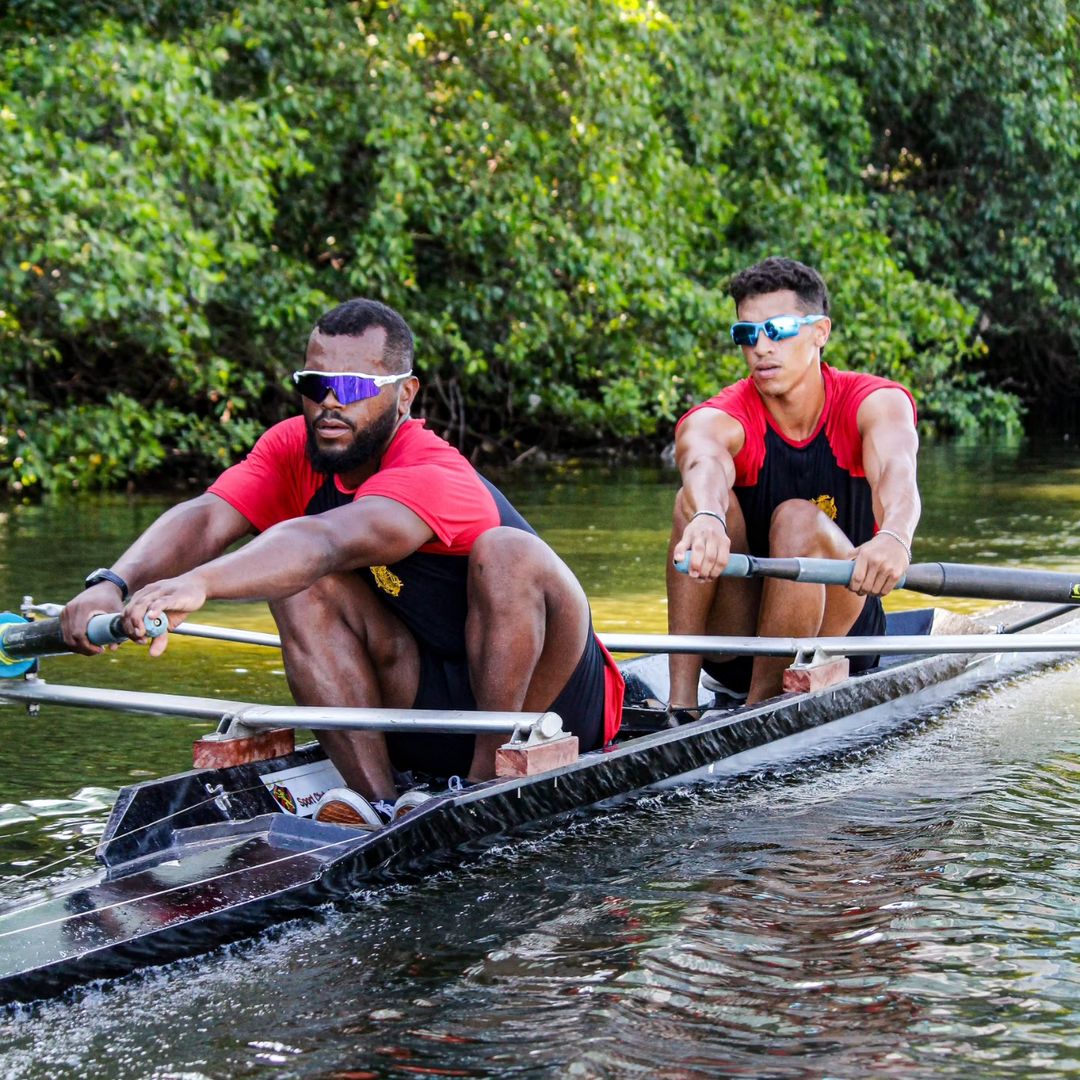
[{"x": 909, "y": 912}]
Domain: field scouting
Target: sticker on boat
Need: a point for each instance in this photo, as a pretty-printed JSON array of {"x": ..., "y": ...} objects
[{"x": 298, "y": 789}]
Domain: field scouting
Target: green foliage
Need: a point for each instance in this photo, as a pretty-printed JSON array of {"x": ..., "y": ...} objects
[
  {"x": 975, "y": 109},
  {"x": 93, "y": 446},
  {"x": 132, "y": 203},
  {"x": 553, "y": 194},
  {"x": 45, "y": 18}
]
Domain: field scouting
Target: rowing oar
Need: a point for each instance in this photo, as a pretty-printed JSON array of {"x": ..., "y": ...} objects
[
  {"x": 190, "y": 629},
  {"x": 936, "y": 579},
  {"x": 22, "y": 642},
  {"x": 745, "y": 646}
]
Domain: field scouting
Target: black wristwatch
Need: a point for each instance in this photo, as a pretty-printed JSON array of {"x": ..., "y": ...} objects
[{"x": 105, "y": 574}]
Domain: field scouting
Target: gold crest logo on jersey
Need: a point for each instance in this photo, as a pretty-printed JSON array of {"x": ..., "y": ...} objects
[
  {"x": 389, "y": 582},
  {"x": 827, "y": 505}
]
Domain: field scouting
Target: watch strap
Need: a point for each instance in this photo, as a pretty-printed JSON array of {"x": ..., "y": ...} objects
[{"x": 105, "y": 574}]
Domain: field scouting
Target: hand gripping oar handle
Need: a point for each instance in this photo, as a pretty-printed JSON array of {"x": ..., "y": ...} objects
[
  {"x": 22, "y": 642},
  {"x": 937, "y": 579}
]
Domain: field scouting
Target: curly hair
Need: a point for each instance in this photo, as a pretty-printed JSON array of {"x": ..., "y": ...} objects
[
  {"x": 355, "y": 316},
  {"x": 776, "y": 274}
]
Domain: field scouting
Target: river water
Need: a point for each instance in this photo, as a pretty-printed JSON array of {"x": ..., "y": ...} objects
[{"x": 910, "y": 910}]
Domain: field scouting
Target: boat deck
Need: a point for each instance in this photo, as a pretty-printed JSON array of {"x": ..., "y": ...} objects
[{"x": 207, "y": 871}]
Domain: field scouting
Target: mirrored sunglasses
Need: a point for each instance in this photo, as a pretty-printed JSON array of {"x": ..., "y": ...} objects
[
  {"x": 777, "y": 328},
  {"x": 347, "y": 386}
]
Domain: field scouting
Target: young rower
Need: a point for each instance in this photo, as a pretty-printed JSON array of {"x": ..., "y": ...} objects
[
  {"x": 397, "y": 575},
  {"x": 797, "y": 459}
]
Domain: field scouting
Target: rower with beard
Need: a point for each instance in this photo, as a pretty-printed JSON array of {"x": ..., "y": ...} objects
[{"x": 397, "y": 575}]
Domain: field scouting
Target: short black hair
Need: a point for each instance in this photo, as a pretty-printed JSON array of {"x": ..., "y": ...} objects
[
  {"x": 355, "y": 316},
  {"x": 776, "y": 274}
]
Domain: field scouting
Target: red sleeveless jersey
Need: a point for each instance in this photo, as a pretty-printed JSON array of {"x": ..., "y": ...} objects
[
  {"x": 427, "y": 589},
  {"x": 826, "y": 468}
]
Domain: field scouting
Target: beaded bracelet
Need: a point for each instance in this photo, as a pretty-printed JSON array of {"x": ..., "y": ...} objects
[
  {"x": 711, "y": 513},
  {"x": 899, "y": 539}
]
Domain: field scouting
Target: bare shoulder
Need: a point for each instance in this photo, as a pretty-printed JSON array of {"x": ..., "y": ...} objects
[
  {"x": 710, "y": 428},
  {"x": 889, "y": 407}
]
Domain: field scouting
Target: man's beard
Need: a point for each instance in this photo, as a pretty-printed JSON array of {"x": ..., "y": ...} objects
[{"x": 366, "y": 444}]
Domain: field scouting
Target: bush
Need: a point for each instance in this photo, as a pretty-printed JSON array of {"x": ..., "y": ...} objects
[
  {"x": 553, "y": 194},
  {"x": 975, "y": 112}
]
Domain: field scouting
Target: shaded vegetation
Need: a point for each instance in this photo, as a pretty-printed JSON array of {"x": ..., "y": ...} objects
[
  {"x": 974, "y": 107},
  {"x": 554, "y": 194}
]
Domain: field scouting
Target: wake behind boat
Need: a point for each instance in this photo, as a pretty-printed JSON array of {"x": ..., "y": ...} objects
[{"x": 217, "y": 854}]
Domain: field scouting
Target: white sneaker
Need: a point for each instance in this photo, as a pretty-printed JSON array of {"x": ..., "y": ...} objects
[
  {"x": 343, "y": 806},
  {"x": 410, "y": 800},
  {"x": 723, "y": 696}
]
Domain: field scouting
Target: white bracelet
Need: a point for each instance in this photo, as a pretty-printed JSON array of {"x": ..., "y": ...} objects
[
  {"x": 899, "y": 539},
  {"x": 711, "y": 513}
]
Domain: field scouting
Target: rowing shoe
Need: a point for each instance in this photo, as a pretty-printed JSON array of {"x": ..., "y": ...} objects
[{"x": 23, "y": 642}]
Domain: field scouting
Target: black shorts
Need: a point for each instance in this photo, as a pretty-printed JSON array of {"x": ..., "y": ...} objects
[
  {"x": 735, "y": 674},
  {"x": 444, "y": 684}
]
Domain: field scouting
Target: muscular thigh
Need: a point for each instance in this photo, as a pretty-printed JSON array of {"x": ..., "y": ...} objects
[{"x": 338, "y": 630}]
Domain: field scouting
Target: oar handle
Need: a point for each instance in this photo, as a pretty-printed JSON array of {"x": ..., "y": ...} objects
[
  {"x": 22, "y": 642},
  {"x": 819, "y": 571},
  {"x": 936, "y": 579},
  {"x": 108, "y": 629}
]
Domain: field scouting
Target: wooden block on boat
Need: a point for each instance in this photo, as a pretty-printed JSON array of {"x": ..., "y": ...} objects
[
  {"x": 512, "y": 760},
  {"x": 214, "y": 752},
  {"x": 802, "y": 678}
]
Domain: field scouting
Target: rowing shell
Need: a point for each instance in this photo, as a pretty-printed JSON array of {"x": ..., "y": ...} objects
[{"x": 207, "y": 857}]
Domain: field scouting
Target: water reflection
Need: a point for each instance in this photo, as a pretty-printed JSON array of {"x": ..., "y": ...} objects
[
  {"x": 910, "y": 913},
  {"x": 906, "y": 914}
]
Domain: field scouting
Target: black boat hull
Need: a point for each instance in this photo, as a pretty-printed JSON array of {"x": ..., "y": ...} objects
[{"x": 205, "y": 858}]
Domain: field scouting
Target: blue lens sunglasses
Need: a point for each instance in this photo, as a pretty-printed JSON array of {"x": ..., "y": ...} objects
[{"x": 778, "y": 328}]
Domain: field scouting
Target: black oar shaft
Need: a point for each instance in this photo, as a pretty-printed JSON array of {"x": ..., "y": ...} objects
[
  {"x": 26, "y": 641},
  {"x": 993, "y": 583},
  {"x": 937, "y": 579}
]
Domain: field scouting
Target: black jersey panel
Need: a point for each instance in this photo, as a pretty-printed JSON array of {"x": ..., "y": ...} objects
[
  {"x": 805, "y": 472},
  {"x": 426, "y": 590}
]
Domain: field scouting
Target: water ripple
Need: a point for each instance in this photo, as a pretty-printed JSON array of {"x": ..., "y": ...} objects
[{"x": 908, "y": 913}]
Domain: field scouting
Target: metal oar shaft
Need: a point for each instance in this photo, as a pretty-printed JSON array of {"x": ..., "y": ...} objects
[
  {"x": 841, "y": 646},
  {"x": 253, "y": 715},
  {"x": 227, "y": 633},
  {"x": 737, "y": 646}
]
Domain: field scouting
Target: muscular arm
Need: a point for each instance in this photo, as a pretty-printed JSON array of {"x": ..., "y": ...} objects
[
  {"x": 890, "y": 446},
  {"x": 705, "y": 449},
  {"x": 287, "y": 559},
  {"x": 184, "y": 537}
]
